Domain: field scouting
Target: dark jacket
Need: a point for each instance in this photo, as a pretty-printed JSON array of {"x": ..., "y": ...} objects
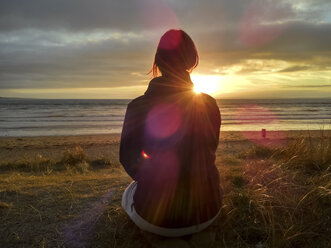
[{"x": 168, "y": 144}]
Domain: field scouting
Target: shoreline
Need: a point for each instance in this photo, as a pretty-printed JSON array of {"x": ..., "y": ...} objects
[
  {"x": 105, "y": 146},
  {"x": 117, "y": 134}
]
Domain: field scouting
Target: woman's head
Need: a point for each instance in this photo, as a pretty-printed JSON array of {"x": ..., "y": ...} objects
[{"x": 176, "y": 53}]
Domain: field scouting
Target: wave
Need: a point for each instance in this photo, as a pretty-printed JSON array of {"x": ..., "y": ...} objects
[{"x": 60, "y": 117}]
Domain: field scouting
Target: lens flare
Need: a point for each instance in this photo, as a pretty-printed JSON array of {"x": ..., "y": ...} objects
[
  {"x": 163, "y": 120},
  {"x": 145, "y": 155}
]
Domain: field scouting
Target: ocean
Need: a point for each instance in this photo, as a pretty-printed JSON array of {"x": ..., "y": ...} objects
[{"x": 48, "y": 117}]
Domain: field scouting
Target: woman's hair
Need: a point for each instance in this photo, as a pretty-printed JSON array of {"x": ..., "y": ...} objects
[{"x": 175, "y": 53}]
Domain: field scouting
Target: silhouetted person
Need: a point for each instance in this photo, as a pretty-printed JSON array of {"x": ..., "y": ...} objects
[{"x": 168, "y": 144}]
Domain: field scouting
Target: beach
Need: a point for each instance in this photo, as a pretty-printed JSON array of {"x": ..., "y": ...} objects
[
  {"x": 107, "y": 145},
  {"x": 66, "y": 191}
]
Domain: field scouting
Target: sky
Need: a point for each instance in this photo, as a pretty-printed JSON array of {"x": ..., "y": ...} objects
[{"x": 105, "y": 48}]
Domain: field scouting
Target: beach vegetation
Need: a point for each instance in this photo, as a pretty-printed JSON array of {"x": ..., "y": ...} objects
[{"x": 274, "y": 196}]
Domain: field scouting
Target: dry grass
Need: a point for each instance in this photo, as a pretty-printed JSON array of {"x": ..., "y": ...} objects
[
  {"x": 286, "y": 200},
  {"x": 73, "y": 161},
  {"x": 274, "y": 197},
  {"x": 311, "y": 156}
]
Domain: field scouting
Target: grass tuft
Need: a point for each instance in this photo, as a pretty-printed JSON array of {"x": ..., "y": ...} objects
[
  {"x": 75, "y": 159},
  {"x": 311, "y": 156},
  {"x": 229, "y": 159},
  {"x": 4, "y": 205},
  {"x": 238, "y": 181},
  {"x": 257, "y": 152}
]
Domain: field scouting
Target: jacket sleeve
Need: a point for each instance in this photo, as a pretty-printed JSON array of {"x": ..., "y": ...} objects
[
  {"x": 212, "y": 122},
  {"x": 131, "y": 141}
]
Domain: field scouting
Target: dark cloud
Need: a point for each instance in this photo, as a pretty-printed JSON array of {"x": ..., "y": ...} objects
[
  {"x": 295, "y": 68},
  {"x": 64, "y": 14},
  {"x": 294, "y": 38},
  {"x": 85, "y": 15},
  {"x": 302, "y": 37},
  {"x": 82, "y": 15},
  {"x": 92, "y": 64},
  {"x": 306, "y": 45}
]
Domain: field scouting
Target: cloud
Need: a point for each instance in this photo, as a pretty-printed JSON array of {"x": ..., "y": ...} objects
[
  {"x": 33, "y": 62},
  {"x": 295, "y": 68},
  {"x": 133, "y": 15},
  {"x": 62, "y": 14},
  {"x": 307, "y": 86},
  {"x": 85, "y": 15},
  {"x": 102, "y": 43}
]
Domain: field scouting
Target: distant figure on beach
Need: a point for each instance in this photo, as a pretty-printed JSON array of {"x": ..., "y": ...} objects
[{"x": 169, "y": 139}]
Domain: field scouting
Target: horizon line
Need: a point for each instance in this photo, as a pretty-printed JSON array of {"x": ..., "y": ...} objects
[{"x": 226, "y": 98}]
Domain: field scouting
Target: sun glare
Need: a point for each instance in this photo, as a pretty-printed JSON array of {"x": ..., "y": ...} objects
[{"x": 209, "y": 84}]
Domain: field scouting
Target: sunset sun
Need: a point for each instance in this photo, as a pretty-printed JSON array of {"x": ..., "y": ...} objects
[{"x": 209, "y": 84}]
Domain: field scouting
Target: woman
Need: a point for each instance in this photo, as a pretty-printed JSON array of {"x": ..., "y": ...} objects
[{"x": 168, "y": 145}]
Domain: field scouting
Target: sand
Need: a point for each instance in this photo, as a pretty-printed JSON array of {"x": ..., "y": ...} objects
[{"x": 107, "y": 145}]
